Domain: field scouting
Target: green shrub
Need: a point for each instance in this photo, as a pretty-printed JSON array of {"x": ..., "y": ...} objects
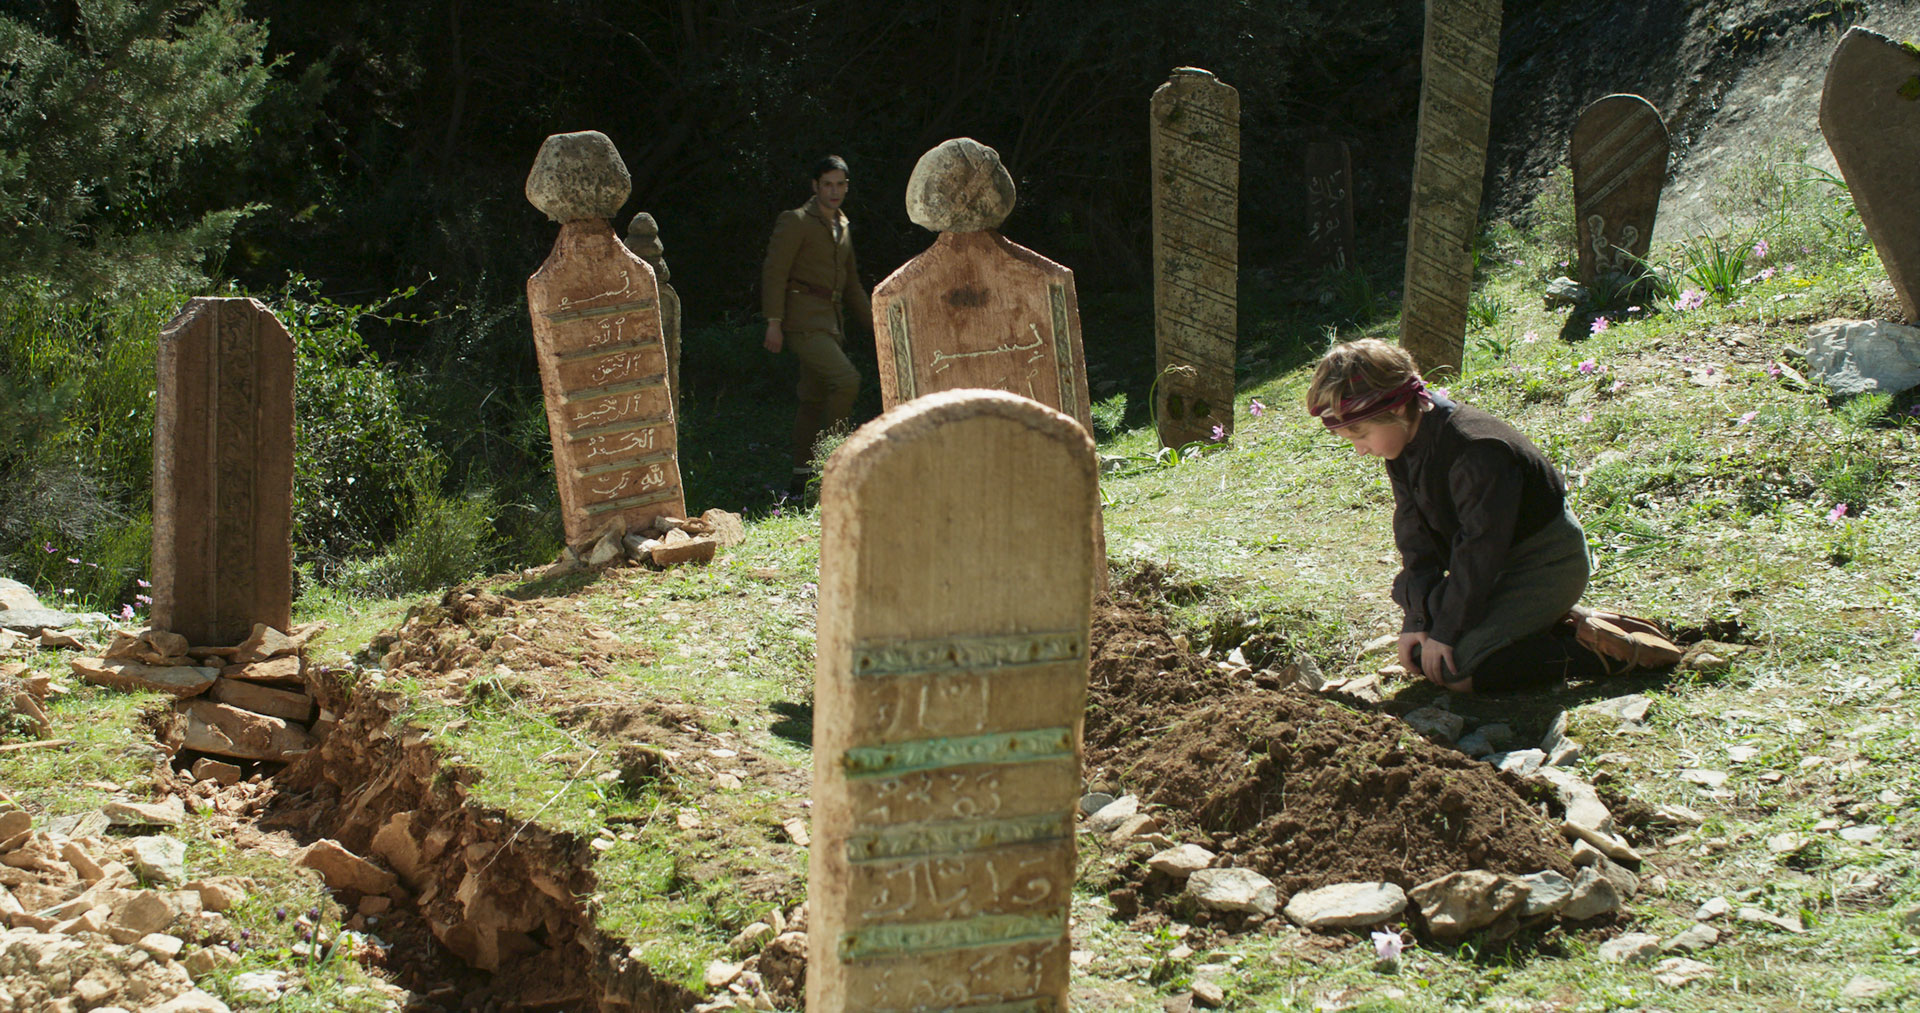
[{"x": 445, "y": 539}]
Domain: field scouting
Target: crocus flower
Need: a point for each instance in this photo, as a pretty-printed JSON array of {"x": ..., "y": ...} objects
[
  {"x": 1691, "y": 299},
  {"x": 1599, "y": 324},
  {"x": 1589, "y": 366},
  {"x": 66, "y": 590},
  {"x": 1387, "y": 945},
  {"x": 1255, "y": 408},
  {"x": 142, "y": 583},
  {"x": 1530, "y": 337},
  {"x": 1586, "y": 416},
  {"x": 126, "y": 611},
  {"x": 1916, "y": 638},
  {"x": 1748, "y": 417},
  {"x": 72, "y": 560},
  {"x": 1219, "y": 433},
  {"x": 1766, "y": 274},
  {"x": 1618, "y": 386},
  {"x": 143, "y": 599},
  {"x": 1442, "y": 391},
  {"x": 1709, "y": 369},
  {"x": 1839, "y": 510},
  {"x": 1633, "y": 309},
  {"x": 47, "y": 546},
  {"x": 1760, "y": 249},
  {"x": 1773, "y": 369}
]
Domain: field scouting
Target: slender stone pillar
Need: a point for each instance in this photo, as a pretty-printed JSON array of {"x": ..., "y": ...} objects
[
  {"x": 1196, "y": 254},
  {"x": 643, "y": 238},
  {"x": 1450, "y": 159},
  {"x": 955, "y": 597},
  {"x": 1330, "y": 207},
  {"x": 223, "y": 473}
]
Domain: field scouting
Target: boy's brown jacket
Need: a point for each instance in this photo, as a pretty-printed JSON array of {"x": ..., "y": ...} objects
[{"x": 808, "y": 277}]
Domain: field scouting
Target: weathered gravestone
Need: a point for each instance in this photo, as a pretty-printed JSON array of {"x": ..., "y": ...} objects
[
  {"x": 976, "y": 310},
  {"x": 223, "y": 473},
  {"x": 597, "y": 334},
  {"x": 1870, "y": 114},
  {"x": 1196, "y": 253},
  {"x": 955, "y": 575},
  {"x": 1330, "y": 206},
  {"x": 1456, "y": 102},
  {"x": 643, "y": 238},
  {"x": 1619, "y": 156}
]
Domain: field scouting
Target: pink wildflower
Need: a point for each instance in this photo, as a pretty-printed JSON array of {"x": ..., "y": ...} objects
[
  {"x": 1618, "y": 386},
  {"x": 142, "y": 583},
  {"x": 1442, "y": 391},
  {"x": 1633, "y": 309},
  {"x": 1691, "y": 299},
  {"x": 1773, "y": 369},
  {"x": 1255, "y": 408},
  {"x": 126, "y": 612},
  {"x": 143, "y": 599},
  {"x": 1916, "y": 638},
  {"x": 72, "y": 560},
  {"x": 1219, "y": 433},
  {"x": 1387, "y": 945},
  {"x": 1589, "y": 367},
  {"x": 1530, "y": 337},
  {"x": 1766, "y": 274},
  {"x": 1599, "y": 324},
  {"x": 1709, "y": 369},
  {"x": 1839, "y": 510},
  {"x": 1760, "y": 249},
  {"x": 1748, "y": 417},
  {"x": 1586, "y": 416},
  {"x": 47, "y": 546}
]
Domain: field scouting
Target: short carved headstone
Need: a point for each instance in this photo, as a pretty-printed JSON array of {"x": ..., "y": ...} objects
[
  {"x": 975, "y": 310},
  {"x": 1456, "y": 105},
  {"x": 1619, "y": 157},
  {"x": 1870, "y": 114},
  {"x": 223, "y": 472},
  {"x": 1330, "y": 206},
  {"x": 603, "y": 362},
  {"x": 950, "y": 684},
  {"x": 643, "y": 238},
  {"x": 1196, "y": 254}
]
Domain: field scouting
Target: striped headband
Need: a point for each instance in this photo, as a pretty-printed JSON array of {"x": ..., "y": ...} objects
[{"x": 1361, "y": 407}]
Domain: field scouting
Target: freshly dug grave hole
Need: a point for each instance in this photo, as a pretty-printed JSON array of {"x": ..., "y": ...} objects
[{"x": 1296, "y": 786}]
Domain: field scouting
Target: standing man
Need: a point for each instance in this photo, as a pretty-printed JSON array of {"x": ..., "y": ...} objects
[{"x": 808, "y": 279}]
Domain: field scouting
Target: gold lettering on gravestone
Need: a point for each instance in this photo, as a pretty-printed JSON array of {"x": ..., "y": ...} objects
[
  {"x": 1619, "y": 156},
  {"x": 1456, "y": 104},
  {"x": 599, "y": 339},
  {"x": 1870, "y": 116},
  {"x": 1196, "y": 254},
  {"x": 947, "y": 762}
]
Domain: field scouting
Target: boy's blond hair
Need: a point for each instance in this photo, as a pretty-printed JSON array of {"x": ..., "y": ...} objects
[{"x": 1355, "y": 369}]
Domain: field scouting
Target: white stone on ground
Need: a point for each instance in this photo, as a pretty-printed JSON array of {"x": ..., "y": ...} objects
[
  {"x": 1593, "y": 896},
  {"x": 1436, "y": 722},
  {"x": 1234, "y": 890},
  {"x": 1462, "y": 902},
  {"x": 1678, "y": 972},
  {"x": 1547, "y": 893},
  {"x": 1693, "y": 937},
  {"x": 1182, "y": 861},
  {"x": 1714, "y": 907},
  {"x": 160, "y": 859},
  {"x": 1113, "y": 814},
  {"x": 1629, "y": 947},
  {"x": 1346, "y": 905}
]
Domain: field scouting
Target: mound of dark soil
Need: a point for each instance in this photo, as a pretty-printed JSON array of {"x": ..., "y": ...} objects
[{"x": 1300, "y": 787}]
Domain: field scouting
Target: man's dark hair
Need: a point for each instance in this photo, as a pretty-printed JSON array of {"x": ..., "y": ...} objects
[{"x": 828, "y": 164}]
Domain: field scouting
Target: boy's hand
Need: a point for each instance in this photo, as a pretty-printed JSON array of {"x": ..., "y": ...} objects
[
  {"x": 1407, "y": 643},
  {"x": 1436, "y": 662},
  {"x": 776, "y": 337}
]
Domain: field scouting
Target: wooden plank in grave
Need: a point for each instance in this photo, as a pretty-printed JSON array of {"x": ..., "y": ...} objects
[
  {"x": 1870, "y": 115},
  {"x": 1619, "y": 156},
  {"x": 1456, "y": 104},
  {"x": 950, "y": 686},
  {"x": 1196, "y": 254}
]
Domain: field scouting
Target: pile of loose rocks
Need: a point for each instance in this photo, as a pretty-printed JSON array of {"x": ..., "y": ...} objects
[
  {"x": 668, "y": 541},
  {"x": 772, "y": 973},
  {"x": 248, "y": 702},
  {"x": 79, "y": 932}
]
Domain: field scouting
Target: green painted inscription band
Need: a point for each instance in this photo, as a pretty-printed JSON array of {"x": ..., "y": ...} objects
[
  {"x": 565, "y": 316},
  {"x": 912, "y": 939},
  {"x": 956, "y": 837},
  {"x": 961, "y": 654},
  {"x": 934, "y": 754}
]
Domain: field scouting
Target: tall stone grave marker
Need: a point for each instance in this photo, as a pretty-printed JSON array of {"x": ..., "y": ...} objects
[
  {"x": 955, "y": 557},
  {"x": 643, "y": 238},
  {"x": 1619, "y": 156},
  {"x": 223, "y": 473},
  {"x": 597, "y": 334},
  {"x": 976, "y": 310},
  {"x": 1196, "y": 253},
  {"x": 1870, "y": 114},
  {"x": 1456, "y": 103},
  {"x": 1330, "y": 206}
]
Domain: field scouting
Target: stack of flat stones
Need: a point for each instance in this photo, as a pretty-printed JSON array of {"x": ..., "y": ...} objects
[{"x": 248, "y": 702}]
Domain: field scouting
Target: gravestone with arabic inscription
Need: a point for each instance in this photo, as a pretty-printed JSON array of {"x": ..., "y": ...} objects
[
  {"x": 223, "y": 473},
  {"x": 1330, "y": 207},
  {"x": 1450, "y": 157},
  {"x": 643, "y": 238},
  {"x": 603, "y": 362},
  {"x": 976, "y": 310},
  {"x": 1196, "y": 254},
  {"x": 949, "y": 690},
  {"x": 1619, "y": 156},
  {"x": 1870, "y": 115}
]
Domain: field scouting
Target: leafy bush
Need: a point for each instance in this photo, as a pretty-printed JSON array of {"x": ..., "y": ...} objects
[{"x": 445, "y": 539}]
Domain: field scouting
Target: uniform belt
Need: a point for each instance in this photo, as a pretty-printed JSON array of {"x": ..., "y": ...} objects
[{"x": 817, "y": 291}]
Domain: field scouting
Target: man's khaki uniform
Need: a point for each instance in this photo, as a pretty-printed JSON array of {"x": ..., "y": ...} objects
[{"x": 808, "y": 279}]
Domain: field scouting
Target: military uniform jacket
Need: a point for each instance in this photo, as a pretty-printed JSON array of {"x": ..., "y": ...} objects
[{"x": 809, "y": 275}]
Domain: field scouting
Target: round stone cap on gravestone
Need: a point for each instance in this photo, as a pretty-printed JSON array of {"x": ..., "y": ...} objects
[
  {"x": 578, "y": 176},
  {"x": 643, "y": 236},
  {"x": 960, "y": 186},
  {"x": 1191, "y": 72}
]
